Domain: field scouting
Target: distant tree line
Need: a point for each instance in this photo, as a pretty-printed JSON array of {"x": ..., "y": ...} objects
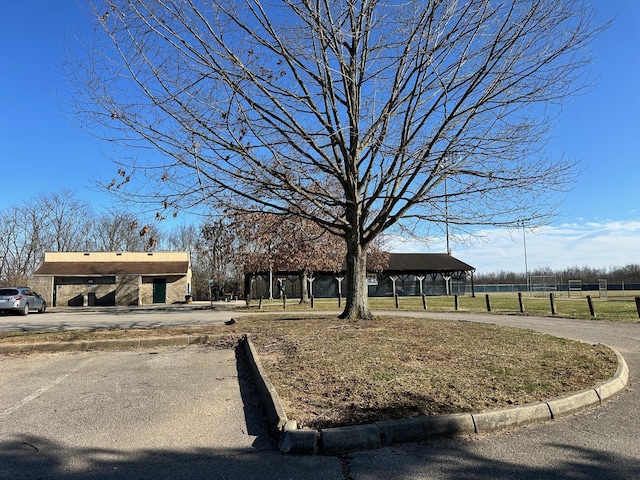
[
  {"x": 60, "y": 222},
  {"x": 628, "y": 274},
  {"x": 222, "y": 248}
]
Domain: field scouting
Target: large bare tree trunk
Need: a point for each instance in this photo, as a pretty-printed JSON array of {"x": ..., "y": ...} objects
[{"x": 357, "y": 304}]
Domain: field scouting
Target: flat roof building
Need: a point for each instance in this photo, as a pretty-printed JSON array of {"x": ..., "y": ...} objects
[{"x": 113, "y": 278}]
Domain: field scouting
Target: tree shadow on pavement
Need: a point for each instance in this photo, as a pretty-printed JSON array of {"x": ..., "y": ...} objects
[
  {"x": 452, "y": 459},
  {"x": 31, "y": 457}
]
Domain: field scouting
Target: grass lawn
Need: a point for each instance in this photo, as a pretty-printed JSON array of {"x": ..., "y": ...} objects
[{"x": 616, "y": 308}]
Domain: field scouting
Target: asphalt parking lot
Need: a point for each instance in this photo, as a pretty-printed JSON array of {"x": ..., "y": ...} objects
[
  {"x": 147, "y": 316},
  {"x": 161, "y": 413},
  {"x": 191, "y": 412}
]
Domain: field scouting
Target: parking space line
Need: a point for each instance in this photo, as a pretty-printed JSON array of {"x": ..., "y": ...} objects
[{"x": 40, "y": 391}]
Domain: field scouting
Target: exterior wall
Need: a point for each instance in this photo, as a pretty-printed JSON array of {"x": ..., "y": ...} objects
[
  {"x": 127, "y": 290},
  {"x": 176, "y": 289},
  {"x": 76, "y": 292},
  {"x": 79, "y": 295},
  {"x": 43, "y": 286}
]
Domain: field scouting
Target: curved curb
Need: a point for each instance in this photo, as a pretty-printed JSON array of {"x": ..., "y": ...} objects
[{"x": 342, "y": 440}]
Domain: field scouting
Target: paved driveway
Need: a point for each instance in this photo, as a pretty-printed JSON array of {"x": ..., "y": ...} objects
[{"x": 59, "y": 418}]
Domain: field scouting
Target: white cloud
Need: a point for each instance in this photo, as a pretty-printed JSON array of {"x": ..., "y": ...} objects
[{"x": 598, "y": 245}]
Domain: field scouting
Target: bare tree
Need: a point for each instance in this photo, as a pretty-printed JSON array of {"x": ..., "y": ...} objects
[
  {"x": 183, "y": 237},
  {"x": 122, "y": 231},
  {"x": 65, "y": 222},
  {"x": 21, "y": 246},
  {"x": 188, "y": 238},
  {"x": 60, "y": 222},
  {"x": 376, "y": 114},
  {"x": 217, "y": 254},
  {"x": 24, "y": 236}
]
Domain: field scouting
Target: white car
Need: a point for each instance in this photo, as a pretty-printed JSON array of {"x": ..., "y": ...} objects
[{"x": 21, "y": 300}]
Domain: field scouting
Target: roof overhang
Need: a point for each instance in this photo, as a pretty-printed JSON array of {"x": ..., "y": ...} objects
[
  {"x": 416, "y": 263},
  {"x": 106, "y": 269}
]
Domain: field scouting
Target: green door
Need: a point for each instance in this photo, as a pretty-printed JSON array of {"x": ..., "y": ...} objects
[{"x": 159, "y": 290}]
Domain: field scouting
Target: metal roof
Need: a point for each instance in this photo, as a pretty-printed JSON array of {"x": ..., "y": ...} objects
[
  {"x": 425, "y": 263},
  {"x": 418, "y": 263}
]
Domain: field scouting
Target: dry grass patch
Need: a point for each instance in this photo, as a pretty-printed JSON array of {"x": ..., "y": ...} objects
[
  {"x": 29, "y": 337},
  {"x": 331, "y": 373}
]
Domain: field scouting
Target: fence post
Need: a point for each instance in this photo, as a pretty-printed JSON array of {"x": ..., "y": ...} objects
[
  {"x": 520, "y": 302},
  {"x": 284, "y": 302},
  {"x": 397, "y": 302},
  {"x": 638, "y": 305},
  {"x": 488, "y": 300},
  {"x": 591, "y": 310},
  {"x": 424, "y": 301},
  {"x": 339, "y": 300},
  {"x": 552, "y": 300},
  {"x": 311, "y": 301},
  {"x": 456, "y": 303},
  {"x": 260, "y": 304}
]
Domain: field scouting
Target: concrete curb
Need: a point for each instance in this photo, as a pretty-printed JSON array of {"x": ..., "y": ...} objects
[
  {"x": 343, "y": 440},
  {"x": 275, "y": 412},
  {"x": 80, "y": 346},
  {"x": 422, "y": 428},
  {"x": 503, "y": 418}
]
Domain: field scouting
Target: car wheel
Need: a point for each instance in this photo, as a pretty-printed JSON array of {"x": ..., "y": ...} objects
[
  {"x": 25, "y": 310},
  {"x": 42, "y": 308}
]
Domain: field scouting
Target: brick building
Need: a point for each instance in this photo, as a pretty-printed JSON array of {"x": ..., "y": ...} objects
[{"x": 113, "y": 278}]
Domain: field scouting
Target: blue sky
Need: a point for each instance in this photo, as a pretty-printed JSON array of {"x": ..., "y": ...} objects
[{"x": 598, "y": 222}]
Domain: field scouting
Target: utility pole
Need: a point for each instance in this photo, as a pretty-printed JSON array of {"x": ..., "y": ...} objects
[
  {"x": 526, "y": 266},
  {"x": 446, "y": 215}
]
